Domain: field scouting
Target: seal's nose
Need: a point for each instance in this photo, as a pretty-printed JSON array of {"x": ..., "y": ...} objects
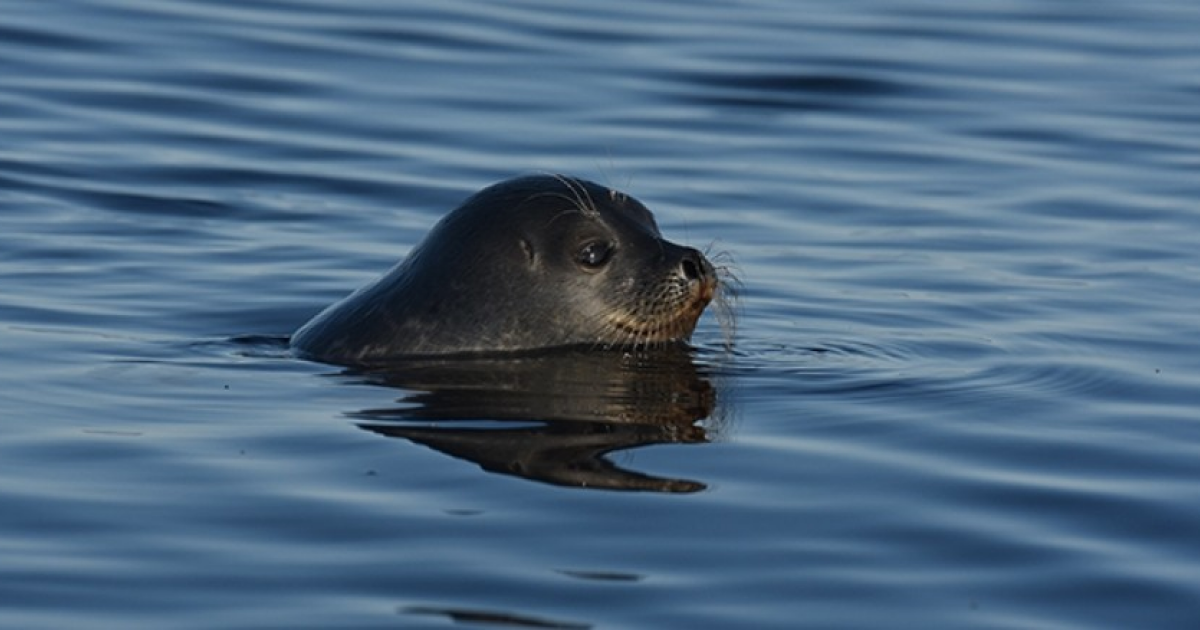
[{"x": 695, "y": 266}]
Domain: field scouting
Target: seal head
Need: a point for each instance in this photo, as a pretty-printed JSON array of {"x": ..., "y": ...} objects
[{"x": 535, "y": 262}]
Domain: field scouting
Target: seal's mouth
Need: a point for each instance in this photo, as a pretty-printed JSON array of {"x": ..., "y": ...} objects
[
  {"x": 701, "y": 293},
  {"x": 707, "y": 290}
]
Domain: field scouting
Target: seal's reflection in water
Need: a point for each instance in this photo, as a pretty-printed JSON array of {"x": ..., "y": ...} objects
[{"x": 552, "y": 417}]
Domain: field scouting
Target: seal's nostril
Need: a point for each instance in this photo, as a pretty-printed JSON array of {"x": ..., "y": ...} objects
[
  {"x": 690, "y": 270},
  {"x": 692, "y": 266}
]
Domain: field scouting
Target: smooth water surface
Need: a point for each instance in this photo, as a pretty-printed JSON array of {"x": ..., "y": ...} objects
[{"x": 965, "y": 388}]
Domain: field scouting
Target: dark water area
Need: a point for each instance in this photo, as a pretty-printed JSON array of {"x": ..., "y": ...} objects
[{"x": 964, "y": 390}]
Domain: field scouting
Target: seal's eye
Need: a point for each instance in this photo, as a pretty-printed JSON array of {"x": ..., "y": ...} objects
[{"x": 594, "y": 254}]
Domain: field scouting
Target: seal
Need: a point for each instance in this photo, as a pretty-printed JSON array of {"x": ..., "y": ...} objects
[{"x": 541, "y": 261}]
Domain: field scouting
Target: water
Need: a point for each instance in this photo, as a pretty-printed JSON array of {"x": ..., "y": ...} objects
[{"x": 964, "y": 390}]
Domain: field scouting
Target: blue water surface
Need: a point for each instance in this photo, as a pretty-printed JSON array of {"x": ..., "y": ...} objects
[{"x": 964, "y": 388}]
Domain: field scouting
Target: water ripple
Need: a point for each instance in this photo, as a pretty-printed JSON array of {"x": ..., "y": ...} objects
[{"x": 963, "y": 387}]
